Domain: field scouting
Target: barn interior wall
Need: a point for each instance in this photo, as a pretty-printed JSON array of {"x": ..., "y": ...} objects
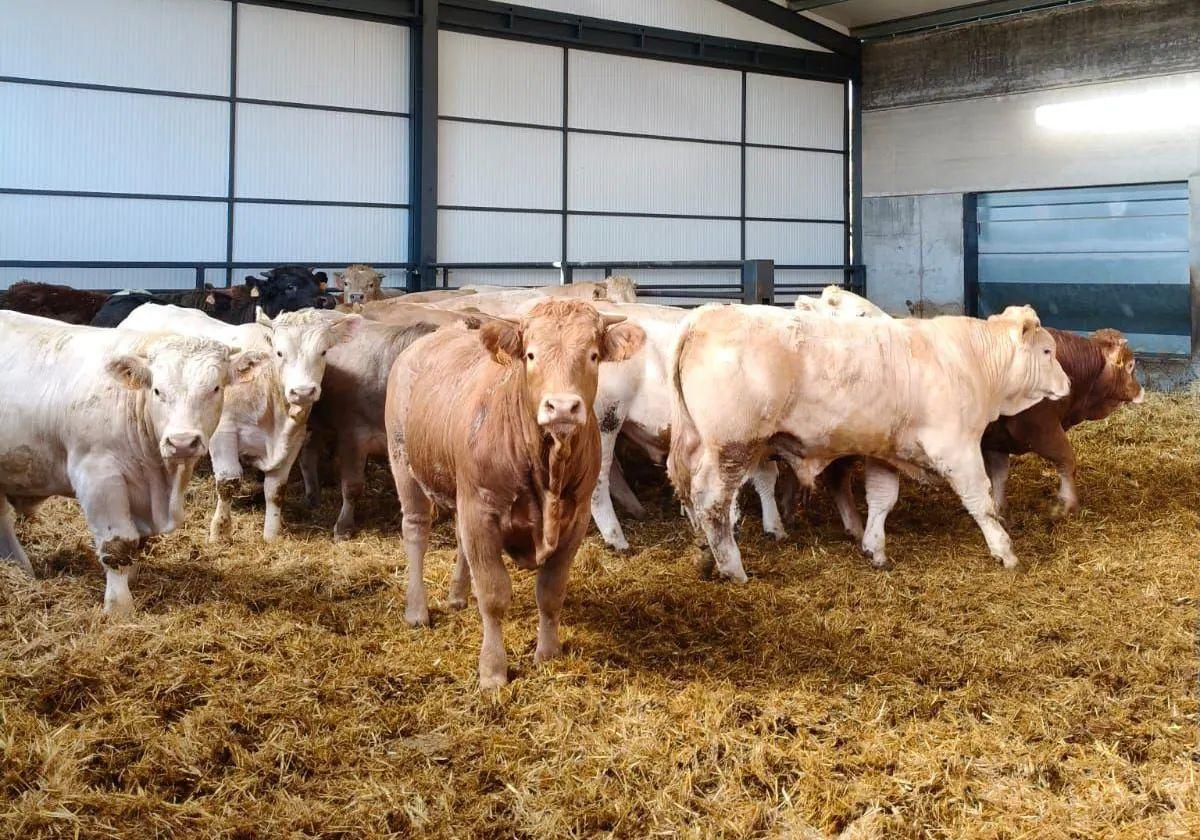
[{"x": 957, "y": 111}]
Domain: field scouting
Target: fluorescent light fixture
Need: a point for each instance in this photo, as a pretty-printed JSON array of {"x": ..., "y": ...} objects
[{"x": 1154, "y": 110}]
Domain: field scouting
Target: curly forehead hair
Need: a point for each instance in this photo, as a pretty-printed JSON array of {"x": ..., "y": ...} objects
[{"x": 565, "y": 310}]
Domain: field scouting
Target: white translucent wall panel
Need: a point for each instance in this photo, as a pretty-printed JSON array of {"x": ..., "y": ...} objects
[
  {"x": 498, "y": 166},
  {"x": 792, "y": 243},
  {"x": 648, "y": 278},
  {"x": 39, "y": 227},
  {"x": 321, "y": 59},
  {"x": 180, "y": 45},
  {"x": 105, "y": 278},
  {"x": 506, "y": 277},
  {"x": 796, "y": 185},
  {"x": 616, "y": 93},
  {"x": 795, "y": 112},
  {"x": 275, "y": 233},
  {"x": 592, "y": 238},
  {"x": 707, "y": 17},
  {"x": 636, "y": 175},
  {"x": 321, "y": 155},
  {"x": 64, "y": 139},
  {"x": 470, "y": 236},
  {"x": 496, "y": 79}
]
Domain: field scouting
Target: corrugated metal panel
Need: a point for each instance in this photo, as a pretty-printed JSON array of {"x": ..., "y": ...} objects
[
  {"x": 793, "y": 243},
  {"x": 794, "y": 185},
  {"x": 39, "y": 227},
  {"x": 321, "y": 155},
  {"x": 631, "y": 174},
  {"x": 623, "y": 238},
  {"x": 506, "y": 277},
  {"x": 795, "y": 112},
  {"x": 496, "y": 79},
  {"x": 616, "y": 93},
  {"x": 498, "y": 166},
  {"x": 63, "y": 139},
  {"x": 707, "y": 17},
  {"x": 472, "y": 236},
  {"x": 178, "y": 45},
  {"x": 1090, "y": 258},
  {"x": 273, "y": 233},
  {"x": 321, "y": 59},
  {"x": 105, "y": 278},
  {"x": 806, "y": 278}
]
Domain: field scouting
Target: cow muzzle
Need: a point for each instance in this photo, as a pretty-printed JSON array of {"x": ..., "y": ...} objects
[
  {"x": 1140, "y": 398},
  {"x": 303, "y": 395},
  {"x": 182, "y": 445},
  {"x": 561, "y": 413},
  {"x": 356, "y": 297}
]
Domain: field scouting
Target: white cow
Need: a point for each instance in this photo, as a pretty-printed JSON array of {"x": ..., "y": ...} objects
[
  {"x": 115, "y": 418},
  {"x": 264, "y": 420}
]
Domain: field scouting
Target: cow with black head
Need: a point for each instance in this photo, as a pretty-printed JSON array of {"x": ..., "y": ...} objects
[{"x": 289, "y": 288}]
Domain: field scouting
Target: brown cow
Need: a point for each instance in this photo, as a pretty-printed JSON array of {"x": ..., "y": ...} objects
[
  {"x": 498, "y": 425},
  {"x": 1101, "y": 370},
  {"x": 48, "y": 300},
  {"x": 349, "y": 414}
]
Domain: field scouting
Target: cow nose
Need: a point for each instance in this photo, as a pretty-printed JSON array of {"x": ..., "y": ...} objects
[
  {"x": 302, "y": 394},
  {"x": 324, "y": 302},
  {"x": 561, "y": 410},
  {"x": 185, "y": 444},
  {"x": 356, "y": 297}
]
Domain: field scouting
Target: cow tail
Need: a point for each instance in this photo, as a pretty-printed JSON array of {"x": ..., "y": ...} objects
[{"x": 684, "y": 436}]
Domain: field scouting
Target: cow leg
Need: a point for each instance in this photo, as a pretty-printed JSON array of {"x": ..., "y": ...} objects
[
  {"x": 274, "y": 486},
  {"x": 764, "y": 477},
  {"x": 838, "y": 476},
  {"x": 551, "y": 590},
  {"x": 460, "y": 581},
  {"x": 966, "y": 473},
  {"x": 479, "y": 535},
  {"x": 352, "y": 457},
  {"x": 417, "y": 512},
  {"x": 997, "y": 465},
  {"x": 310, "y": 459},
  {"x": 602, "y": 506},
  {"x": 882, "y": 489},
  {"x": 622, "y": 493},
  {"x": 101, "y": 492},
  {"x": 227, "y": 473},
  {"x": 714, "y": 487},
  {"x": 10, "y": 548},
  {"x": 1054, "y": 445}
]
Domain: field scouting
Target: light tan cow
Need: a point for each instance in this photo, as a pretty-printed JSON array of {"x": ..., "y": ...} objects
[
  {"x": 751, "y": 381},
  {"x": 512, "y": 302},
  {"x": 839, "y": 303}
]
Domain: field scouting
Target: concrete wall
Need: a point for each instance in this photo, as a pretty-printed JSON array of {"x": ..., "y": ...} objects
[{"x": 913, "y": 250}]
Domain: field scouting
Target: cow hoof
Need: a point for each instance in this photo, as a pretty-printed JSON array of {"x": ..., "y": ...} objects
[
  {"x": 545, "y": 654},
  {"x": 619, "y": 546},
  {"x": 882, "y": 564},
  {"x": 491, "y": 682},
  {"x": 457, "y": 604},
  {"x": 734, "y": 576},
  {"x": 1012, "y": 565},
  {"x": 417, "y": 616},
  {"x": 778, "y": 534},
  {"x": 342, "y": 536},
  {"x": 118, "y": 609}
]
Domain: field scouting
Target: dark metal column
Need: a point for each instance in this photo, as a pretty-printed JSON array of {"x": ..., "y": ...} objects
[{"x": 425, "y": 157}]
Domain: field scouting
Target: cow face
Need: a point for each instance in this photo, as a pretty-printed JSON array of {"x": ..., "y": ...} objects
[
  {"x": 290, "y": 288},
  {"x": 1034, "y": 373},
  {"x": 1118, "y": 383},
  {"x": 558, "y": 346},
  {"x": 300, "y": 341},
  {"x": 360, "y": 284},
  {"x": 183, "y": 381}
]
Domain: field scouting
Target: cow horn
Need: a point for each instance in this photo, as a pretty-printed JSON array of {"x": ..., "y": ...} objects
[{"x": 609, "y": 320}]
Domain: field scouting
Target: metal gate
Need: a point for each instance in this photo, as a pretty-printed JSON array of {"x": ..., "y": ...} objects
[{"x": 1088, "y": 258}]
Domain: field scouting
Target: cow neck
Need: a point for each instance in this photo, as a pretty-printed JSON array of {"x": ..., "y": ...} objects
[
  {"x": 993, "y": 346},
  {"x": 549, "y": 467},
  {"x": 174, "y": 478}
]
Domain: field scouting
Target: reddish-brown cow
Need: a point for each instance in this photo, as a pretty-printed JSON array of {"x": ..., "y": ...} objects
[
  {"x": 1101, "y": 370},
  {"x": 497, "y": 424},
  {"x": 47, "y": 300}
]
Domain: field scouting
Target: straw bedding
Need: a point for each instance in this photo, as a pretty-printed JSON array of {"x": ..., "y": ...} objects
[{"x": 276, "y": 691}]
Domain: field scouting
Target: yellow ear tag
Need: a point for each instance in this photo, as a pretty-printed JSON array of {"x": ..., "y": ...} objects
[
  {"x": 210, "y": 300},
  {"x": 254, "y": 292}
]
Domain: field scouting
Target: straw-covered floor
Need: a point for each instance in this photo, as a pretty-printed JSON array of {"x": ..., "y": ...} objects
[{"x": 276, "y": 691}]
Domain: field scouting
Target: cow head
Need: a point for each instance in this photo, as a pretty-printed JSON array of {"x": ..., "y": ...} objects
[
  {"x": 558, "y": 346},
  {"x": 620, "y": 289},
  {"x": 290, "y": 288},
  {"x": 841, "y": 303},
  {"x": 299, "y": 342},
  {"x": 1118, "y": 383},
  {"x": 183, "y": 380},
  {"x": 1034, "y": 373},
  {"x": 360, "y": 284}
]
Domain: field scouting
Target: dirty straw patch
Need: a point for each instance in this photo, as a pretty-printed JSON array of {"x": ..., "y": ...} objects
[{"x": 275, "y": 690}]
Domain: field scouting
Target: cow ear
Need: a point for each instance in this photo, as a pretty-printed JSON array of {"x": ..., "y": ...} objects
[
  {"x": 502, "y": 339},
  {"x": 130, "y": 370},
  {"x": 1023, "y": 322},
  {"x": 243, "y": 365},
  {"x": 261, "y": 318},
  {"x": 346, "y": 328},
  {"x": 1111, "y": 343},
  {"x": 622, "y": 341},
  {"x": 339, "y": 280}
]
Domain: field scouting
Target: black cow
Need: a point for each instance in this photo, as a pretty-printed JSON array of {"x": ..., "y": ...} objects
[{"x": 283, "y": 289}]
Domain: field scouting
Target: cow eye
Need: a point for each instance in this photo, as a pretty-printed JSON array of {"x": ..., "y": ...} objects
[
  {"x": 216, "y": 388},
  {"x": 279, "y": 353},
  {"x": 156, "y": 393},
  {"x": 529, "y": 356},
  {"x": 595, "y": 356},
  {"x": 323, "y": 352},
  {"x": 1047, "y": 351}
]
